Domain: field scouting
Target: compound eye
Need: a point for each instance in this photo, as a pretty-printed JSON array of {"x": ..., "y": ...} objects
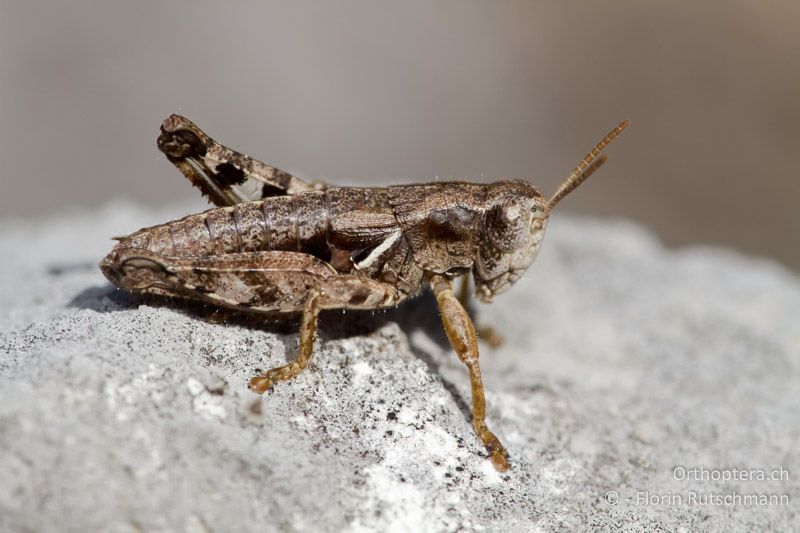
[
  {"x": 510, "y": 213},
  {"x": 505, "y": 225}
]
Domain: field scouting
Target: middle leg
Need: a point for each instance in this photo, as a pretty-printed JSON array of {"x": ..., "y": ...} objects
[
  {"x": 485, "y": 333},
  {"x": 337, "y": 292},
  {"x": 308, "y": 332}
]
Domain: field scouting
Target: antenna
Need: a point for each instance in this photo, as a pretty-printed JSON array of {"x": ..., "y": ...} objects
[{"x": 586, "y": 167}]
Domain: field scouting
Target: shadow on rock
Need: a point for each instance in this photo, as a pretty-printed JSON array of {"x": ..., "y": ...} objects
[
  {"x": 419, "y": 314},
  {"x": 104, "y": 299},
  {"x": 62, "y": 269}
]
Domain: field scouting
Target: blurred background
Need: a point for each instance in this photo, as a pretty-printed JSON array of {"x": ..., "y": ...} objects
[{"x": 366, "y": 92}]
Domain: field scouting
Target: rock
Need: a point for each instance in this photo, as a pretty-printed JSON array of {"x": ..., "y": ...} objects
[{"x": 632, "y": 377}]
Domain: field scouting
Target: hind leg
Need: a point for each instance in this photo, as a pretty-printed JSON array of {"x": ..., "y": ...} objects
[
  {"x": 225, "y": 176},
  {"x": 260, "y": 282}
]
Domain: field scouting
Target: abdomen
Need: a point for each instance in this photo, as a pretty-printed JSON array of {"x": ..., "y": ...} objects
[{"x": 298, "y": 223}]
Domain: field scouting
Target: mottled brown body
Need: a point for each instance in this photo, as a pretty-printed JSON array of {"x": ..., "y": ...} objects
[{"x": 278, "y": 244}]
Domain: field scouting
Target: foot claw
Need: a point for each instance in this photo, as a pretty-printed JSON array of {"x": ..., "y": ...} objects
[
  {"x": 259, "y": 384},
  {"x": 265, "y": 380},
  {"x": 500, "y": 461},
  {"x": 497, "y": 452}
]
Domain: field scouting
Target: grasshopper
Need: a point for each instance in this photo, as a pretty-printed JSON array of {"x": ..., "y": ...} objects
[{"x": 278, "y": 244}]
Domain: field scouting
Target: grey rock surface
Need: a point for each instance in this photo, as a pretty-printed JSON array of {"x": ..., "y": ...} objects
[{"x": 623, "y": 360}]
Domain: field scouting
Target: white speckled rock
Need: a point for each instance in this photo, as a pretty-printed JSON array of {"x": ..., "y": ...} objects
[{"x": 623, "y": 361}]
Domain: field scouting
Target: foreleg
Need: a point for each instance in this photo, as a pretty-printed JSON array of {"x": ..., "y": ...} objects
[{"x": 461, "y": 332}]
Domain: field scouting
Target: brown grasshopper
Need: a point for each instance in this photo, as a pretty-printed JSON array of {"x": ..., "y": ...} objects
[{"x": 276, "y": 243}]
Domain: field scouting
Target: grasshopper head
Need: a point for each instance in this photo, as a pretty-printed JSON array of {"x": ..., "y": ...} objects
[
  {"x": 513, "y": 230},
  {"x": 515, "y": 220}
]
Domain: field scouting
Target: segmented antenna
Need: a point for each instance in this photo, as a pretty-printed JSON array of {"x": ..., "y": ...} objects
[{"x": 586, "y": 167}]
